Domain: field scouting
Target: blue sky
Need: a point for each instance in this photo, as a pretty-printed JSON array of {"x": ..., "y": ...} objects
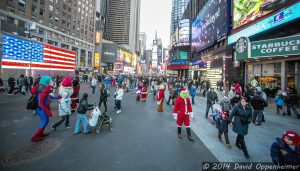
[{"x": 156, "y": 15}]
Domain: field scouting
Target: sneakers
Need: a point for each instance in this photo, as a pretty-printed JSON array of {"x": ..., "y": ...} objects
[
  {"x": 53, "y": 127},
  {"x": 119, "y": 111},
  {"x": 228, "y": 146},
  {"x": 87, "y": 132},
  {"x": 67, "y": 127},
  {"x": 259, "y": 126}
]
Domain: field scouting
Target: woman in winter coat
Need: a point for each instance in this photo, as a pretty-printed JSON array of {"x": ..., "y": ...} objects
[
  {"x": 223, "y": 122},
  {"x": 83, "y": 107},
  {"x": 43, "y": 110},
  {"x": 119, "y": 96},
  {"x": 103, "y": 97},
  {"x": 279, "y": 101},
  {"x": 286, "y": 151},
  {"x": 242, "y": 114},
  {"x": 64, "y": 110}
]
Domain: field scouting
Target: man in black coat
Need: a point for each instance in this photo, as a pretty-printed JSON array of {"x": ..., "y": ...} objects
[
  {"x": 291, "y": 102},
  {"x": 212, "y": 98},
  {"x": 258, "y": 103},
  {"x": 11, "y": 84}
]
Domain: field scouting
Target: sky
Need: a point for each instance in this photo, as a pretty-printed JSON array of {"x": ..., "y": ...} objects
[{"x": 156, "y": 15}]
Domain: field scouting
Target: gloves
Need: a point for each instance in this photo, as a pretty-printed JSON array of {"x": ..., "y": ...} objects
[
  {"x": 175, "y": 116},
  {"x": 192, "y": 115}
]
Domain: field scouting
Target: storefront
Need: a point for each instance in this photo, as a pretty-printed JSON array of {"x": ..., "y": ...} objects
[
  {"x": 273, "y": 64},
  {"x": 181, "y": 67}
]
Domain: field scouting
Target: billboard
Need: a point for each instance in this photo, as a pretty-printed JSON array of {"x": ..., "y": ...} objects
[
  {"x": 284, "y": 16},
  {"x": 109, "y": 53},
  {"x": 246, "y": 11},
  {"x": 184, "y": 31},
  {"x": 97, "y": 59},
  {"x": 210, "y": 25},
  {"x": 20, "y": 53}
]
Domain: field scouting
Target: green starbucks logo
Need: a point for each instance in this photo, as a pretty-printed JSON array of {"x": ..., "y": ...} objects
[{"x": 241, "y": 45}]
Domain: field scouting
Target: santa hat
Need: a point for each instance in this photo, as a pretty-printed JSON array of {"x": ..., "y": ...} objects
[
  {"x": 67, "y": 82},
  {"x": 184, "y": 90},
  {"x": 293, "y": 136}
]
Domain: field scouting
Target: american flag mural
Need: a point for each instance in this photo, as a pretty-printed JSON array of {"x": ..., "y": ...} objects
[{"x": 23, "y": 54}]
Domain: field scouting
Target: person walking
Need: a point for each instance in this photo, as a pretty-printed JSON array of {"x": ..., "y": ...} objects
[
  {"x": 93, "y": 85},
  {"x": 212, "y": 98},
  {"x": 222, "y": 123},
  {"x": 291, "y": 102},
  {"x": 144, "y": 91},
  {"x": 242, "y": 114},
  {"x": 193, "y": 93},
  {"x": 285, "y": 151},
  {"x": 171, "y": 94},
  {"x": 279, "y": 101},
  {"x": 21, "y": 84},
  {"x": 160, "y": 98},
  {"x": 107, "y": 84},
  {"x": 43, "y": 110},
  {"x": 119, "y": 96},
  {"x": 11, "y": 84},
  {"x": 182, "y": 113},
  {"x": 258, "y": 104},
  {"x": 103, "y": 97},
  {"x": 83, "y": 107},
  {"x": 74, "y": 96}
]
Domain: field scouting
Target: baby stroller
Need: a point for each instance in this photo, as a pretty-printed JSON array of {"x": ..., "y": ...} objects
[{"x": 98, "y": 119}]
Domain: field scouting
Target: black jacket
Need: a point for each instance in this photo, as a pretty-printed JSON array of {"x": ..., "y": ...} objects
[
  {"x": 11, "y": 81},
  {"x": 212, "y": 97},
  {"x": 258, "y": 103},
  {"x": 103, "y": 95},
  {"x": 84, "y": 106}
]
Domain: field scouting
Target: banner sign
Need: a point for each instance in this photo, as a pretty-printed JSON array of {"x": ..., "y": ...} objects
[
  {"x": 267, "y": 48},
  {"x": 289, "y": 14}
]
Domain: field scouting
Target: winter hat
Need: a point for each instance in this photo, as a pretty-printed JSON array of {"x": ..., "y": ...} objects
[
  {"x": 293, "y": 136},
  {"x": 45, "y": 80},
  {"x": 67, "y": 82},
  {"x": 184, "y": 90}
]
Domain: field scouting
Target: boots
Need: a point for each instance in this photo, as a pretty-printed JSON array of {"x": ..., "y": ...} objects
[
  {"x": 244, "y": 148},
  {"x": 237, "y": 144},
  {"x": 36, "y": 137},
  {"x": 43, "y": 134},
  {"x": 188, "y": 130},
  {"x": 179, "y": 132}
]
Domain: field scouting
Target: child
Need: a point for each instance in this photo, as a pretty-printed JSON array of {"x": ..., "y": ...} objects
[
  {"x": 279, "y": 102},
  {"x": 64, "y": 110},
  {"x": 119, "y": 96},
  {"x": 223, "y": 122},
  {"x": 83, "y": 107}
]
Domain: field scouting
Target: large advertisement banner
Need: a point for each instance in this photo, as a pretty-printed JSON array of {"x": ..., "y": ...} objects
[
  {"x": 245, "y": 11},
  {"x": 210, "y": 25},
  {"x": 184, "y": 31}
]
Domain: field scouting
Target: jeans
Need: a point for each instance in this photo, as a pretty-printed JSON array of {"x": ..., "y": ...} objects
[
  {"x": 289, "y": 106},
  {"x": 93, "y": 89},
  {"x": 63, "y": 118},
  {"x": 118, "y": 104},
  {"x": 81, "y": 118},
  {"x": 105, "y": 105},
  {"x": 208, "y": 106},
  {"x": 259, "y": 114},
  {"x": 131, "y": 86},
  {"x": 193, "y": 99}
]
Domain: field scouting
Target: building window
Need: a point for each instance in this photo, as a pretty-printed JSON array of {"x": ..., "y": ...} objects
[
  {"x": 50, "y": 7},
  {"x": 41, "y": 12}
]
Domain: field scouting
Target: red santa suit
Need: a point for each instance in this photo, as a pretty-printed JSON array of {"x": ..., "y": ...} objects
[
  {"x": 144, "y": 92},
  {"x": 182, "y": 112},
  {"x": 160, "y": 98}
]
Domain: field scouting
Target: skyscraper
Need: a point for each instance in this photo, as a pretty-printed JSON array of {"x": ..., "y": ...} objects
[
  {"x": 142, "y": 44},
  {"x": 178, "y": 8},
  {"x": 123, "y": 23}
]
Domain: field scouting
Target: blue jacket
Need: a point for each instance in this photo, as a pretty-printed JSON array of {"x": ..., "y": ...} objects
[
  {"x": 107, "y": 81},
  {"x": 282, "y": 154},
  {"x": 279, "y": 100},
  {"x": 193, "y": 91},
  {"x": 242, "y": 119}
]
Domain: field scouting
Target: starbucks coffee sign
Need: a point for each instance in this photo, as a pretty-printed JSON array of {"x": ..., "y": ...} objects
[{"x": 268, "y": 48}]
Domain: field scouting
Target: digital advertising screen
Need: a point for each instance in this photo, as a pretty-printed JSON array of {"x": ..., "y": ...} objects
[
  {"x": 210, "y": 25},
  {"x": 245, "y": 11},
  {"x": 184, "y": 31}
]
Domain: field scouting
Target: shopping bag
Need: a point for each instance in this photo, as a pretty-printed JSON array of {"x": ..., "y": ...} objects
[{"x": 94, "y": 116}]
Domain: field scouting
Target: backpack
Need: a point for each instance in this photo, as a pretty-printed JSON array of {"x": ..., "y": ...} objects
[{"x": 32, "y": 102}]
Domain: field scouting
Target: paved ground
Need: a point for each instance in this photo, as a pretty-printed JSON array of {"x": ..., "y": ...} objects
[
  {"x": 258, "y": 140},
  {"x": 142, "y": 140}
]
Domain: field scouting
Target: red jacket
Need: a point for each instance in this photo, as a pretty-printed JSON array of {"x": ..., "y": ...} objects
[
  {"x": 182, "y": 106},
  {"x": 161, "y": 95},
  {"x": 74, "y": 97}
]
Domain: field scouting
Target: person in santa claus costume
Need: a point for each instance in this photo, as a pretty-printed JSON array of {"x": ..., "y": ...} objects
[
  {"x": 43, "y": 110},
  {"x": 144, "y": 92},
  {"x": 160, "y": 98},
  {"x": 65, "y": 91},
  {"x": 182, "y": 113}
]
